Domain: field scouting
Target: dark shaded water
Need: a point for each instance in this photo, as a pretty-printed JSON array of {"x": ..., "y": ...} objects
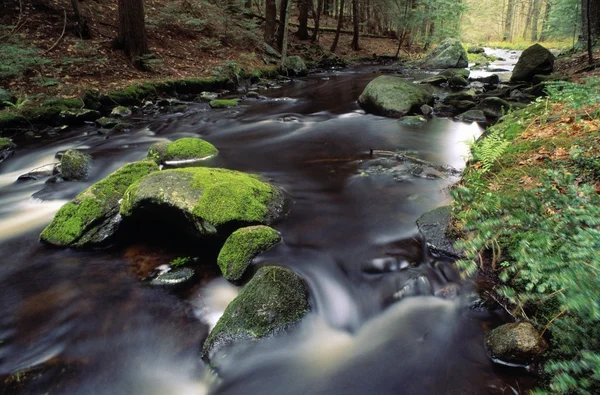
[{"x": 83, "y": 322}]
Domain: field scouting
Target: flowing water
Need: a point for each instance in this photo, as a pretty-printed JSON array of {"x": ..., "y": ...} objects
[{"x": 387, "y": 316}]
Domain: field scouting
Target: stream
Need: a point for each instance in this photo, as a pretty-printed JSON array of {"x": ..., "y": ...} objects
[{"x": 387, "y": 316}]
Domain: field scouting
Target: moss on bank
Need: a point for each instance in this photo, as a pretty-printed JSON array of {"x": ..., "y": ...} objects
[
  {"x": 188, "y": 148},
  {"x": 223, "y": 103}
]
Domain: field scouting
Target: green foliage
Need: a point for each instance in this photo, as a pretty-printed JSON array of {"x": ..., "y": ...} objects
[
  {"x": 16, "y": 59},
  {"x": 489, "y": 150},
  {"x": 181, "y": 261},
  {"x": 575, "y": 95}
]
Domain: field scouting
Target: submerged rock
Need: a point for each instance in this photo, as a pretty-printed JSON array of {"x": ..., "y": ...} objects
[
  {"x": 275, "y": 299},
  {"x": 207, "y": 199},
  {"x": 394, "y": 96},
  {"x": 534, "y": 60},
  {"x": 294, "y": 65},
  {"x": 7, "y": 148},
  {"x": 188, "y": 149},
  {"x": 515, "y": 343},
  {"x": 174, "y": 279},
  {"x": 450, "y": 54},
  {"x": 414, "y": 120},
  {"x": 93, "y": 216},
  {"x": 75, "y": 165},
  {"x": 434, "y": 225},
  {"x": 241, "y": 248}
]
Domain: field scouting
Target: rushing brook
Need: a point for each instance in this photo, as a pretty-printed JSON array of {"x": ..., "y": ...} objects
[{"x": 84, "y": 323}]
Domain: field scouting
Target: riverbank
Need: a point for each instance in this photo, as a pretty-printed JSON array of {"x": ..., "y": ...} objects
[{"x": 526, "y": 213}]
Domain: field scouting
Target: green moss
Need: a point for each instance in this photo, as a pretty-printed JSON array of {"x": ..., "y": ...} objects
[
  {"x": 93, "y": 205},
  {"x": 9, "y": 119},
  {"x": 273, "y": 300},
  {"x": 75, "y": 165},
  {"x": 223, "y": 103},
  {"x": 183, "y": 149},
  {"x": 242, "y": 246},
  {"x": 49, "y": 110},
  {"x": 6, "y": 143}
]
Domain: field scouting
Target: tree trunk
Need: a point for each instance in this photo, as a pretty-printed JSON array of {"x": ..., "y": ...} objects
[
  {"x": 590, "y": 36},
  {"x": 508, "y": 24},
  {"x": 82, "y": 27},
  {"x": 283, "y": 6},
  {"x": 248, "y": 4},
  {"x": 590, "y": 15},
  {"x": 545, "y": 23},
  {"x": 315, "y": 36},
  {"x": 339, "y": 27},
  {"x": 528, "y": 18},
  {"x": 270, "y": 21},
  {"x": 132, "y": 29},
  {"x": 285, "y": 20},
  {"x": 537, "y": 8},
  {"x": 356, "y": 23},
  {"x": 303, "y": 20}
]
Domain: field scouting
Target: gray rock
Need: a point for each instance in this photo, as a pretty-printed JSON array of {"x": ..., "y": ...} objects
[
  {"x": 120, "y": 112},
  {"x": 107, "y": 123},
  {"x": 40, "y": 172},
  {"x": 426, "y": 110},
  {"x": 471, "y": 116},
  {"x": 449, "y": 54},
  {"x": 414, "y": 120},
  {"x": 252, "y": 95},
  {"x": 78, "y": 116},
  {"x": 75, "y": 165},
  {"x": 294, "y": 65},
  {"x": 515, "y": 343},
  {"x": 173, "y": 279},
  {"x": 434, "y": 225},
  {"x": 493, "y": 79},
  {"x": 392, "y": 96},
  {"x": 534, "y": 60},
  {"x": 461, "y": 105},
  {"x": 465, "y": 95},
  {"x": 458, "y": 81},
  {"x": 493, "y": 107},
  {"x": 207, "y": 96},
  {"x": 436, "y": 80},
  {"x": 465, "y": 73},
  {"x": 269, "y": 50},
  {"x": 445, "y": 110}
]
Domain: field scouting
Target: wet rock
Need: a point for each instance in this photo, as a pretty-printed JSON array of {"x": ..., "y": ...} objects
[
  {"x": 174, "y": 279},
  {"x": 207, "y": 96},
  {"x": 539, "y": 78},
  {"x": 515, "y": 343},
  {"x": 120, "y": 112},
  {"x": 93, "y": 216},
  {"x": 458, "y": 82},
  {"x": 451, "y": 73},
  {"x": 471, "y": 116},
  {"x": 188, "y": 149},
  {"x": 419, "y": 286},
  {"x": 436, "y": 80},
  {"x": 252, "y": 95},
  {"x": 493, "y": 107},
  {"x": 445, "y": 110},
  {"x": 75, "y": 165},
  {"x": 476, "y": 50},
  {"x": 7, "y": 148},
  {"x": 273, "y": 300},
  {"x": 206, "y": 200},
  {"x": 181, "y": 108},
  {"x": 434, "y": 226},
  {"x": 465, "y": 95},
  {"x": 427, "y": 172},
  {"x": 223, "y": 103},
  {"x": 294, "y": 66},
  {"x": 449, "y": 54},
  {"x": 39, "y": 172},
  {"x": 242, "y": 247},
  {"x": 534, "y": 60},
  {"x": 79, "y": 116},
  {"x": 426, "y": 110},
  {"x": 269, "y": 50},
  {"x": 6, "y": 97},
  {"x": 414, "y": 120},
  {"x": 394, "y": 97},
  {"x": 493, "y": 79},
  {"x": 107, "y": 123},
  {"x": 462, "y": 105}
]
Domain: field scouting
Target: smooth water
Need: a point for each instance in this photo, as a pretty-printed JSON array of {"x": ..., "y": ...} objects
[{"x": 82, "y": 322}]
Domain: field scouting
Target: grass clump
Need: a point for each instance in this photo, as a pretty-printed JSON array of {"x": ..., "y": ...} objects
[
  {"x": 528, "y": 209},
  {"x": 188, "y": 148},
  {"x": 242, "y": 246}
]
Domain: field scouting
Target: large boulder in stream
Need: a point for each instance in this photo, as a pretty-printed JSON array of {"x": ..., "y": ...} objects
[
  {"x": 534, "y": 60},
  {"x": 93, "y": 216},
  {"x": 450, "y": 54},
  {"x": 394, "y": 97},
  {"x": 206, "y": 200},
  {"x": 275, "y": 299},
  {"x": 185, "y": 150},
  {"x": 75, "y": 165},
  {"x": 515, "y": 343},
  {"x": 242, "y": 247}
]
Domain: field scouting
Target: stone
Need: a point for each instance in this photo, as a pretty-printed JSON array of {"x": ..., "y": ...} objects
[
  {"x": 426, "y": 110},
  {"x": 273, "y": 301},
  {"x": 107, "y": 123},
  {"x": 476, "y": 50},
  {"x": 252, "y": 95},
  {"x": 413, "y": 120},
  {"x": 434, "y": 226},
  {"x": 449, "y": 54},
  {"x": 534, "y": 60},
  {"x": 7, "y": 148},
  {"x": 464, "y": 95},
  {"x": 436, "y": 80},
  {"x": 187, "y": 149},
  {"x": 493, "y": 107},
  {"x": 75, "y": 165},
  {"x": 493, "y": 79},
  {"x": 120, "y": 112},
  {"x": 294, "y": 66},
  {"x": 223, "y": 103},
  {"x": 174, "y": 279},
  {"x": 472, "y": 116},
  {"x": 207, "y": 96},
  {"x": 242, "y": 247},
  {"x": 38, "y": 173},
  {"x": 79, "y": 116},
  {"x": 461, "y": 105},
  {"x": 204, "y": 200},
  {"x": 445, "y": 110},
  {"x": 392, "y": 96},
  {"x": 458, "y": 81},
  {"x": 93, "y": 216},
  {"x": 269, "y": 50},
  {"x": 515, "y": 343},
  {"x": 181, "y": 108},
  {"x": 465, "y": 73}
]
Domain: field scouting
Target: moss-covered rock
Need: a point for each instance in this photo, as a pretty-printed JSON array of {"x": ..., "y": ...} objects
[
  {"x": 534, "y": 60},
  {"x": 223, "y": 103},
  {"x": 394, "y": 96},
  {"x": 49, "y": 111},
  {"x": 209, "y": 199},
  {"x": 272, "y": 301},
  {"x": 518, "y": 343},
  {"x": 7, "y": 148},
  {"x": 75, "y": 165},
  {"x": 78, "y": 116},
  {"x": 107, "y": 123},
  {"x": 465, "y": 73},
  {"x": 450, "y": 54},
  {"x": 92, "y": 217},
  {"x": 185, "y": 149},
  {"x": 242, "y": 246},
  {"x": 294, "y": 65},
  {"x": 120, "y": 112}
]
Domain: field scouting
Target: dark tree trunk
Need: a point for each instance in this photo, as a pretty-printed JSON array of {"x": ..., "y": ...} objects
[
  {"x": 590, "y": 16},
  {"x": 270, "y": 21},
  {"x": 339, "y": 27},
  {"x": 282, "y": 14},
  {"x": 303, "y": 7},
  {"x": 590, "y": 36},
  {"x": 545, "y": 23},
  {"x": 132, "y": 29},
  {"x": 81, "y": 24},
  {"x": 356, "y": 23},
  {"x": 315, "y": 36}
]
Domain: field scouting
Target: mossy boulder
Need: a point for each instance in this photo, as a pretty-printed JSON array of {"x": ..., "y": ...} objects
[
  {"x": 207, "y": 199},
  {"x": 273, "y": 300},
  {"x": 75, "y": 165},
  {"x": 458, "y": 81},
  {"x": 78, "y": 116},
  {"x": 120, "y": 112},
  {"x": 49, "y": 111},
  {"x": 435, "y": 80},
  {"x": 242, "y": 246},
  {"x": 518, "y": 343},
  {"x": 534, "y": 60},
  {"x": 223, "y": 103},
  {"x": 93, "y": 216},
  {"x": 188, "y": 149},
  {"x": 295, "y": 66},
  {"x": 7, "y": 148},
  {"x": 394, "y": 97},
  {"x": 107, "y": 123},
  {"x": 449, "y": 54}
]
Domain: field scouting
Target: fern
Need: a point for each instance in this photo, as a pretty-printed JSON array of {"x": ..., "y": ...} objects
[{"x": 488, "y": 150}]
